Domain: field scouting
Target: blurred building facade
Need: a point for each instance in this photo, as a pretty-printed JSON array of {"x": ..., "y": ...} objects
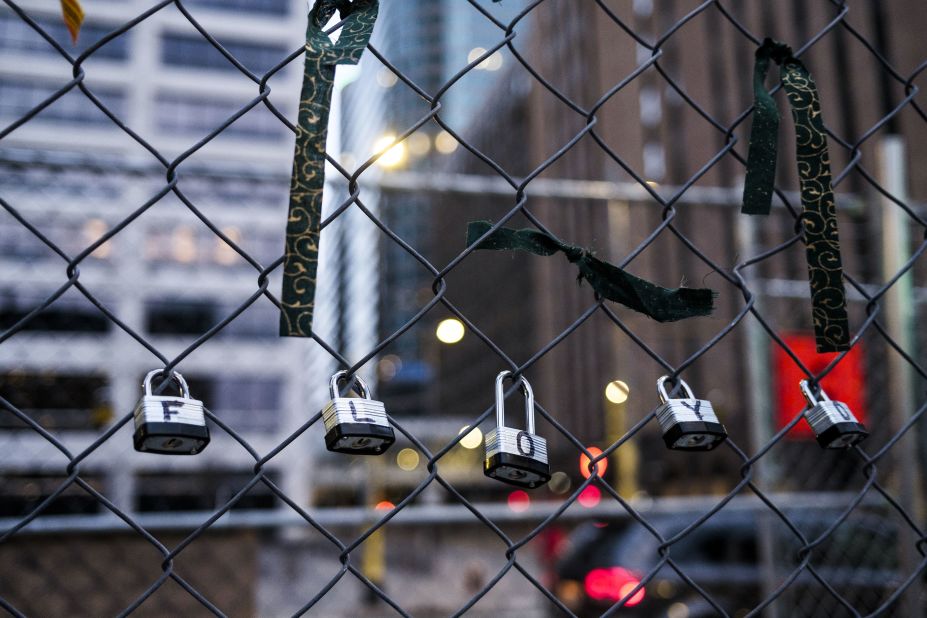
[
  {"x": 166, "y": 276},
  {"x": 648, "y": 130}
]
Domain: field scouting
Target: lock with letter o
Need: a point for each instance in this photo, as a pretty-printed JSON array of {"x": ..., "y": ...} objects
[
  {"x": 516, "y": 456},
  {"x": 356, "y": 425},
  {"x": 833, "y": 424},
  {"x": 169, "y": 425}
]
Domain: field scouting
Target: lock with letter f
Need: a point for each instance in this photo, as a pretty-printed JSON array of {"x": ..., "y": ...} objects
[
  {"x": 516, "y": 456},
  {"x": 169, "y": 425}
]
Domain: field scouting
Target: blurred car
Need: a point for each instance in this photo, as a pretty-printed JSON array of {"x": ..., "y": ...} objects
[{"x": 602, "y": 563}]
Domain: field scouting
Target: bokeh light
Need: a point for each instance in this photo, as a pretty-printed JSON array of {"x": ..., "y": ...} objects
[
  {"x": 617, "y": 391},
  {"x": 601, "y": 466},
  {"x": 450, "y": 330},
  {"x": 473, "y": 438},
  {"x": 407, "y": 459},
  {"x": 519, "y": 501},
  {"x": 590, "y": 497}
]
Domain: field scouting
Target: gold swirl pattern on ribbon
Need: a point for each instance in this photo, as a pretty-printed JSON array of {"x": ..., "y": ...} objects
[{"x": 305, "y": 210}]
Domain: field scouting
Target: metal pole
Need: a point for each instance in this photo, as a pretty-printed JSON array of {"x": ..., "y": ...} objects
[
  {"x": 897, "y": 308},
  {"x": 759, "y": 398},
  {"x": 626, "y": 458}
]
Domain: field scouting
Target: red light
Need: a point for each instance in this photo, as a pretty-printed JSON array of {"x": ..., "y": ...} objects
[
  {"x": 600, "y": 465},
  {"x": 519, "y": 501},
  {"x": 385, "y": 505},
  {"x": 613, "y": 585},
  {"x": 590, "y": 496}
]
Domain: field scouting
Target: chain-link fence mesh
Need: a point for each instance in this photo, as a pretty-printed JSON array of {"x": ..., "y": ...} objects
[{"x": 620, "y": 126}]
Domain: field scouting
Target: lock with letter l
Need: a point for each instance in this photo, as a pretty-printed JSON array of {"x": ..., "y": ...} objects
[
  {"x": 356, "y": 425},
  {"x": 169, "y": 425},
  {"x": 688, "y": 424},
  {"x": 516, "y": 456},
  {"x": 833, "y": 424}
]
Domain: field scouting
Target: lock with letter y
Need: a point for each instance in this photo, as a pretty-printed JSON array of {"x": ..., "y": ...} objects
[
  {"x": 169, "y": 425},
  {"x": 516, "y": 456},
  {"x": 688, "y": 424},
  {"x": 356, "y": 425}
]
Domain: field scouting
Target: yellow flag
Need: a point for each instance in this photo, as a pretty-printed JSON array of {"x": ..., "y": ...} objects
[{"x": 73, "y": 17}]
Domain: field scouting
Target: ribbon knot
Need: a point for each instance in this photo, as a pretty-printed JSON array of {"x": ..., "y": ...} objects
[
  {"x": 574, "y": 253},
  {"x": 609, "y": 281},
  {"x": 819, "y": 209}
]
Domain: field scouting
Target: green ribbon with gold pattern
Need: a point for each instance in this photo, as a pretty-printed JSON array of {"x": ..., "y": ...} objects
[
  {"x": 305, "y": 212},
  {"x": 609, "y": 281},
  {"x": 819, "y": 209}
]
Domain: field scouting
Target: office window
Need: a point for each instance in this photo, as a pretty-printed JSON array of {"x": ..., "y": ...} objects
[
  {"x": 195, "y": 52},
  {"x": 18, "y": 37},
  {"x": 194, "y": 246},
  {"x": 244, "y": 402},
  {"x": 271, "y": 7},
  {"x": 183, "y": 115},
  {"x": 70, "y": 313},
  {"x": 201, "y": 491},
  {"x": 18, "y": 96},
  {"x": 56, "y": 401}
]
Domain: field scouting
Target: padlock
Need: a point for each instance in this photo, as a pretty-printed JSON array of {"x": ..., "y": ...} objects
[
  {"x": 169, "y": 425},
  {"x": 356, "y": 425},
  {"x": 516, "y": 456},
  {"x": 833, "y": 424},
  {"x": 688, "y": 424}
]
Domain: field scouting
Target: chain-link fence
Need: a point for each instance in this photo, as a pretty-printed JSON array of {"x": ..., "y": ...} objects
[{"x": 621, "y": 126}]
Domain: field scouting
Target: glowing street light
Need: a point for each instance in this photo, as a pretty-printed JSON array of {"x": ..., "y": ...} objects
[{"x": 450, "y": 330}]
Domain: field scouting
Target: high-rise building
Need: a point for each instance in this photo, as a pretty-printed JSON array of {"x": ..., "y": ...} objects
[{"x": 168, "y": 278}]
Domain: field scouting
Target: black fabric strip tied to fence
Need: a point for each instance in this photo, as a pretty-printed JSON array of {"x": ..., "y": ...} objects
[
  {"x": 819, "y": 209},
  {"x": 305, "y": 212},
  {"x": 609, "y": 281}
]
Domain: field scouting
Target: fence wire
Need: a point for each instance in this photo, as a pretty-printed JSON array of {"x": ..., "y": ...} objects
[{"x": 862, "y": 470}]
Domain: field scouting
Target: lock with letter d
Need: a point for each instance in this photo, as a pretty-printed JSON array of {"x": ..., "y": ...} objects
[
  {"x": 169, "y": 425},
  {"x": 356, "y": 425},
  {"x": 688, "y": 424},
  {"x": 833, "y": 424},
  {"x": 516, "y": 456}
]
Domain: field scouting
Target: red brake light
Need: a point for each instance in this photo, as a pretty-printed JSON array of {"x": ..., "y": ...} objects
[{"x": 613, "y": 584}]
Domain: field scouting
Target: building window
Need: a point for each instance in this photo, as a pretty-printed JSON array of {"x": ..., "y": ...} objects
[
  {"x": 201, "y": 491},
  {"x": 71, "y": 234},
  {"x": 18, "y": 96},
  {"x": 56, "y": 401},
  {"x": 243, "y": 402},
  {"x": 188, "y": 245},
  {"x": 185, "y": 115},
  {"x": 18, "y": 37},
  {"x": 195, "y": 52},
  {"x": 21, "y": 493},
  {"x": 271, "y": 7},
  {"x": 67, "y": 314}
]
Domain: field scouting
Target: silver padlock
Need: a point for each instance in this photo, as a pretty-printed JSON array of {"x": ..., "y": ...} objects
[
  {"x": 356, "y": 425},
  {"x": 169, "y": 425},
  {"x": 833, "y": 424},
  {"x": 688, "y": 424},
  {"x": 516, "y": 456}
]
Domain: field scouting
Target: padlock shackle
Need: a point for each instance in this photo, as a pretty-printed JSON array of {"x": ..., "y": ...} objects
[
  {"x": 809, "y": 396},
  {"x": 343, "y": 375},
  {"x": 661, "y": 388},
  {"x": 500, "y": 401},
  {"x": 175, "y": 376}
]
